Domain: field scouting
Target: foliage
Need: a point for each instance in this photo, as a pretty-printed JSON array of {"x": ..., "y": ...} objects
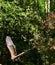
[
  {"x": 52, "y": 5},
  {"x": 23, "y": 21}
]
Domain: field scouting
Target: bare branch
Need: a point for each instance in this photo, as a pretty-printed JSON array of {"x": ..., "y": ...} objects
[{"x": 23, "y": 52}]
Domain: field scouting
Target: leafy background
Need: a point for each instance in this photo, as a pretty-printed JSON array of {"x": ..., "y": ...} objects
[{"x": 27, "y": 24}]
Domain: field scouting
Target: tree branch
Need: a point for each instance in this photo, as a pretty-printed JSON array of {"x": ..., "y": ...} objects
[{"x": 23, "y": 53}]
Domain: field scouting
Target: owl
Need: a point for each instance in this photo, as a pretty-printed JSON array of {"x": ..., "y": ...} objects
[{"x": 11, "y": 47}]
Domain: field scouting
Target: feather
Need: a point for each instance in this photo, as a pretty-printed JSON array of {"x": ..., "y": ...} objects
[{"x": 11, "y": 47}]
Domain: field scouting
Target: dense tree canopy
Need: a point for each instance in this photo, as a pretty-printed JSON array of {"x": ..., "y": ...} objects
[{"x": 28, "y": 25}]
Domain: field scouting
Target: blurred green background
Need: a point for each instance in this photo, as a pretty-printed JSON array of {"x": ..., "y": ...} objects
[{"x": 26, "y": 20}]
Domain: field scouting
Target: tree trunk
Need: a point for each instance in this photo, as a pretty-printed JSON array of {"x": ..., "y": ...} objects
[{"x": 48, "y": 6}]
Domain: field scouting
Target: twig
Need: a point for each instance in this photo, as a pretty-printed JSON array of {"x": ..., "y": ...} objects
[{"x": 23, "y": 53}]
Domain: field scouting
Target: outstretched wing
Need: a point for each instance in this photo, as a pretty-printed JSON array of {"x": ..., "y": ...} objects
[{"x": 11, "y": 47}]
